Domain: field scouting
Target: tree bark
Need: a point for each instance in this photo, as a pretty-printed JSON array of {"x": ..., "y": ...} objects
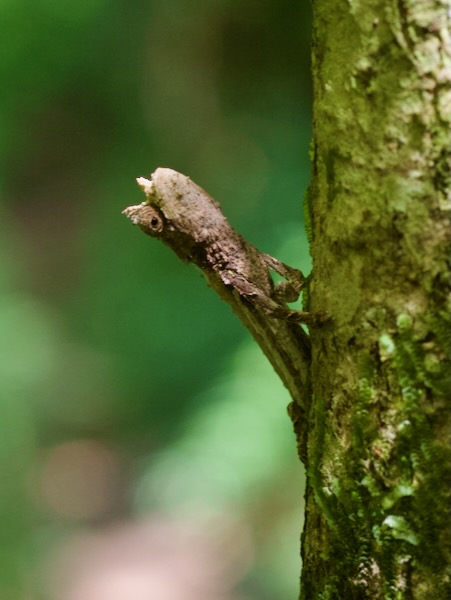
[{"x": 377, "y": 520}]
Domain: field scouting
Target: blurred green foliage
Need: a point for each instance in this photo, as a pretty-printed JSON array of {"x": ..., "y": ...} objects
[{"x": 104, "y": 335}]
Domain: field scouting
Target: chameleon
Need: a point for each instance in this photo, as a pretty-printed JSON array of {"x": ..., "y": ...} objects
[{"x": 183, "y": 216}]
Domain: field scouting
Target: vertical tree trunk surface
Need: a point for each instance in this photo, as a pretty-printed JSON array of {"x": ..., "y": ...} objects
[{"x": 377, "y": 521}]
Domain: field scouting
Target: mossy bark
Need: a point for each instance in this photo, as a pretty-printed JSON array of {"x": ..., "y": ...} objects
[{"x": 377, "y": 519}]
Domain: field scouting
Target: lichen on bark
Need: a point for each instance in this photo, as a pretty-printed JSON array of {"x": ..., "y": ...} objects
[{"x": 377, "y": 522}]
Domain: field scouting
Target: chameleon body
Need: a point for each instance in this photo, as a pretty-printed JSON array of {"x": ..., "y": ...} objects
[{"x": 183, "y": 216}]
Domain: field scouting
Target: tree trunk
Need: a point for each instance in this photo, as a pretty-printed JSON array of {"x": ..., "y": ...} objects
[{"x": 377, "y": 520}]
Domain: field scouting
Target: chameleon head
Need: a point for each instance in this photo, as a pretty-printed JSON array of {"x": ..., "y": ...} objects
[
  {"x": 180, "y": 213},
  {"x": 183, "y": 203},
  {"x": 169, "y": 212},
  {"x": 149, "y": 215}
]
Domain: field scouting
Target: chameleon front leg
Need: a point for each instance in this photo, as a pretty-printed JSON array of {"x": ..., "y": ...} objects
[
  {"x": 268, "y": 305},
  {"x": 289, "y": 290}
]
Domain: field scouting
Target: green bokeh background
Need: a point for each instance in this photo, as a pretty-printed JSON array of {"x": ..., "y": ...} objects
[{"x": 109, "y": 345}]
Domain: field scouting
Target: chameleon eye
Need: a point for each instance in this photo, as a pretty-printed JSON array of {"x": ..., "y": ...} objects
[
  {"x": 155, "y": 223},
  {"x": 152, "y": 220}
]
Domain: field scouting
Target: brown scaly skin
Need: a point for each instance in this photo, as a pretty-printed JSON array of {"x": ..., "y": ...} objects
[{"x": 191, "y": 223}]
